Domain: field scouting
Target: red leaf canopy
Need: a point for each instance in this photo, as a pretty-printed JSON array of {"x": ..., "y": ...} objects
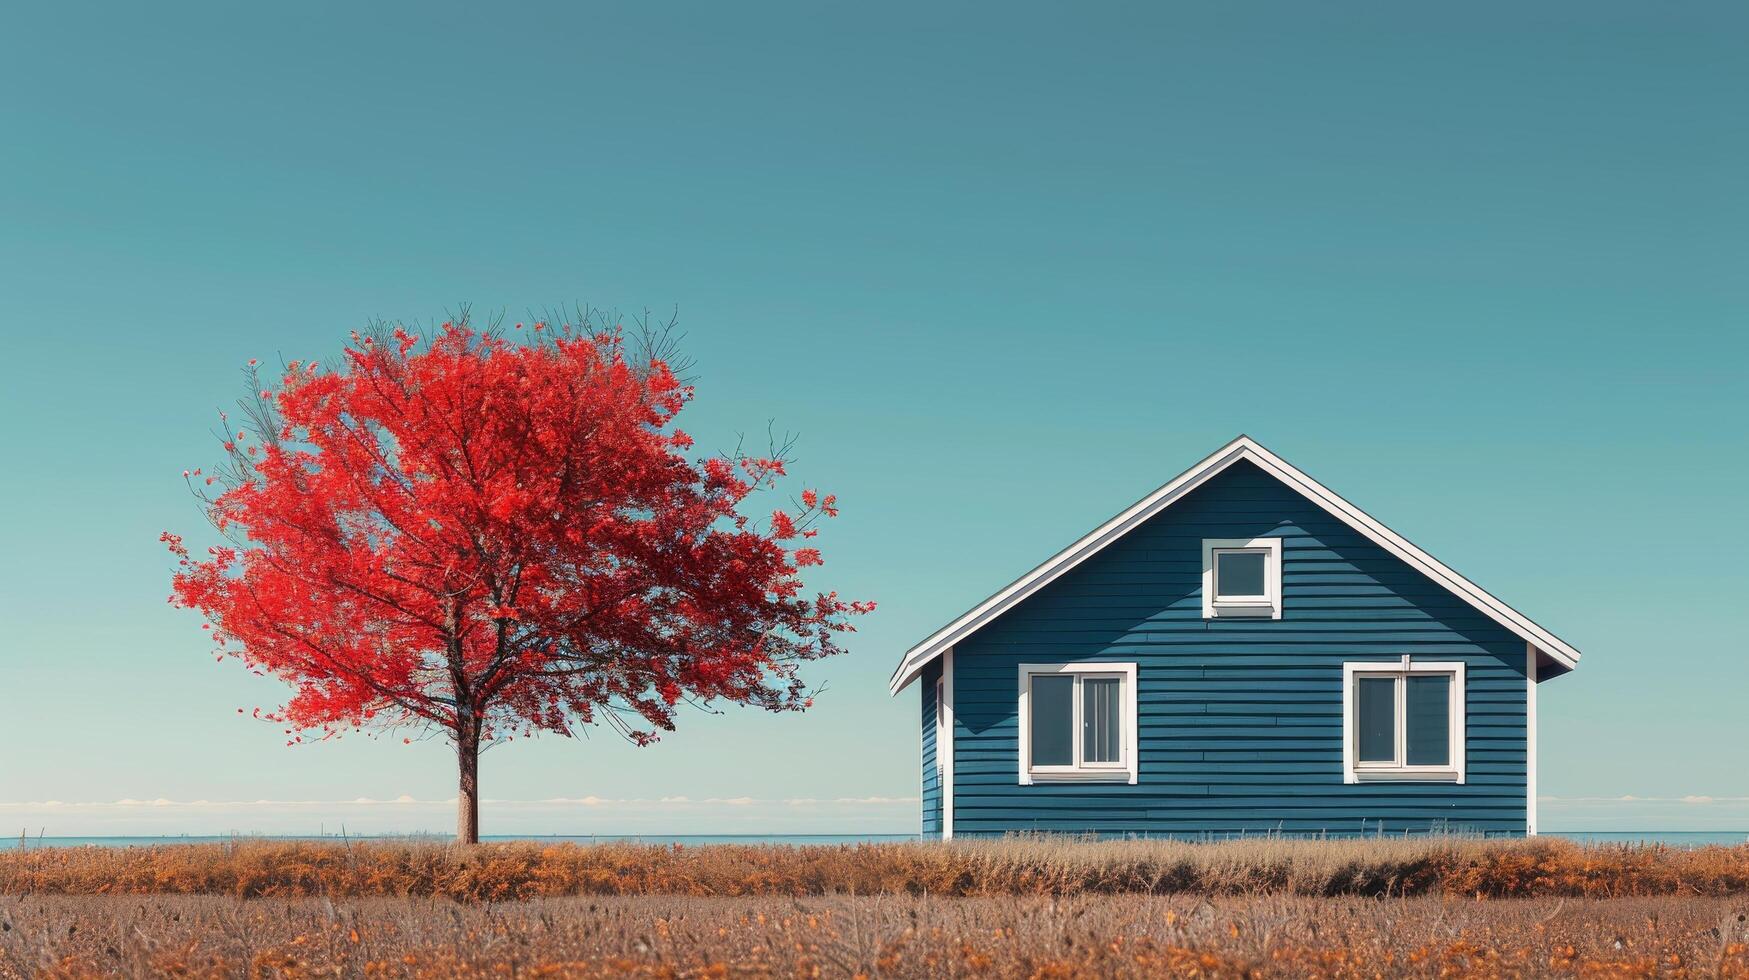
[{"x": 497, "y": 537}]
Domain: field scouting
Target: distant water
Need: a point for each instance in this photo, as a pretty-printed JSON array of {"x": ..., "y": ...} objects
[
  {"x": 1672, "y": 838},
  {"x": 684, "y": 839}
]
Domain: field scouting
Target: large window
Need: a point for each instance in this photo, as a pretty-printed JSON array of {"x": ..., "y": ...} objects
[
  {"x": 1077, "y": 722},
  {"x": 1241, "y": 577},
  {"x": 1403, "y": 720}
]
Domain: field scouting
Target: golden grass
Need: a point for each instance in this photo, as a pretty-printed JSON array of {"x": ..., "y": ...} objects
[
  {"x": 1022, "y": 866},
  {"x": 875, "y": 936}
]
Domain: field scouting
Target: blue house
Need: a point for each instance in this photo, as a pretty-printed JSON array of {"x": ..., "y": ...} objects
[{"x": 1241, "y": 651}]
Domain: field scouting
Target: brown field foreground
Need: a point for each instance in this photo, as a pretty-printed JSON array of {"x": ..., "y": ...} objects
[
  {"x": 1023, "y": 866},
  {"x": 875, "y": 936}
]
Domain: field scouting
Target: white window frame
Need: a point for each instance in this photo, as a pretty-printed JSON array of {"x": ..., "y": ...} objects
[
  {"x": 1355, "y": 771},
  {"x": 1266, "y": 606},
  {"x": 1126, "y": 770}
]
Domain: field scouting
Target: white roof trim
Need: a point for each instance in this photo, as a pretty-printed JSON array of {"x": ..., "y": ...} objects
[{"x": 1246, "y": 448}]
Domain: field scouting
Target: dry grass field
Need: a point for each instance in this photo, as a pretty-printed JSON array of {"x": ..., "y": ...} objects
[
  {"x": 1446, "y": 907},
  {"x": 874, "y": 936},
  {"x": 1020, "y": 866}
]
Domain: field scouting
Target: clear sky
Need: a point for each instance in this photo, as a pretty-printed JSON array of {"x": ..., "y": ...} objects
[{"x": 1480, "y": 267}]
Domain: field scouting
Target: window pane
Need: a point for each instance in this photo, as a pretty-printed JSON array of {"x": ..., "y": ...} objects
[
  {"x": 1427, "y": 721},
  {"x": 1100, "y": 720},
  {"x": 1239, "y": 573},
  {"x": 1053, "y": 720},
  {"x": 1376, "y": 719}
]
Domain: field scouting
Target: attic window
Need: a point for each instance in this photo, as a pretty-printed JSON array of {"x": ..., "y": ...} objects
[
  {"x": 1077, "y": 723},
  {"x": 1241, "y": 577}
]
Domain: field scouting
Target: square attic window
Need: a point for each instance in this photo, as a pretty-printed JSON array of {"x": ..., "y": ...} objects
[{"x": 1241, "y": 577}]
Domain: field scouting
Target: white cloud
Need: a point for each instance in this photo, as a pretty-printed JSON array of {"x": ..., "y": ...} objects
[
  {"x": 1631, "y": 812},
  {"x": 854, "y": 801}
]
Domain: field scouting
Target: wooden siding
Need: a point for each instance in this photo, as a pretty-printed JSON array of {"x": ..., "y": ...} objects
[
  {"x": 1241, "y": 720},
  {"x": 931, "y": 775}
]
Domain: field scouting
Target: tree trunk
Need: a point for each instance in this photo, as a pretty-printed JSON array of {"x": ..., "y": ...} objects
[{"x": 467, "y": 752}]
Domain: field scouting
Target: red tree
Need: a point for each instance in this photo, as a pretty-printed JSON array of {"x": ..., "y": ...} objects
[{"x": 487, "y": 537}]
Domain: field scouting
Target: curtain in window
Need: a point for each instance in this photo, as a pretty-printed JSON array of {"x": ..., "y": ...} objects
[{"x": 1101, "y": 723}]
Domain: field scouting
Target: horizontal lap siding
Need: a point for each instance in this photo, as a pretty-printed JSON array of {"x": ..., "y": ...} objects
[
  {"x": 931, "y": 775},
  {"x": 1241, "y": 720}
]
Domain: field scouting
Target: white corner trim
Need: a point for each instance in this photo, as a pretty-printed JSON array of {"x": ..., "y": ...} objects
[
  {"x": 947, "y": 758},
  {"x": 940, "y": 719},
  {"x": 1128, "y": 772},
  {"x": 1242, "y": 448},
  {"x": 1530, "y": 672},
  {"x": 922, "y": 784},
  {"x": 1267, "y": 606},
  {"x": 1459, "y": 721}
]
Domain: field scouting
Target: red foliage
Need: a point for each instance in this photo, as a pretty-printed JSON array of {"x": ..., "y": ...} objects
[{"x": 490, "y": 537}]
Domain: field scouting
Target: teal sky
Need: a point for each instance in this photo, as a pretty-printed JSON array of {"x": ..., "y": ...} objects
[{"x": 1481, "y": 268}]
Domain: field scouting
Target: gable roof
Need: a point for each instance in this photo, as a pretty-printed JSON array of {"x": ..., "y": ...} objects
[{"x": 1243, "y": 448}]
